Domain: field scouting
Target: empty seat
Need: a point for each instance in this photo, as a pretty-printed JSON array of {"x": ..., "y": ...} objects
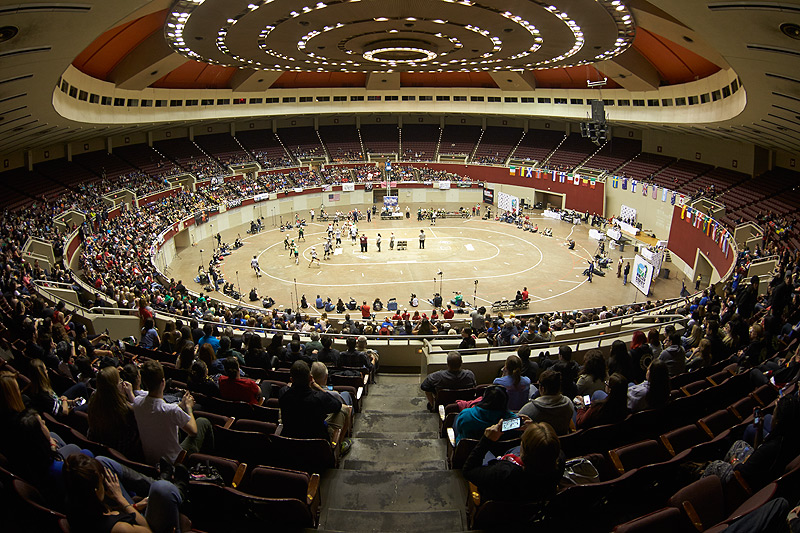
[
  {"x": 717, "y": 422},
  {"x": 637, "y": 455},
  {"x": 683, "y": 438},
  {"x": 306, "y": 455},
  {"x": 38, "y": 516},
  {"x": 232, "y": 471},
  {"x": 667, "y": 520}
]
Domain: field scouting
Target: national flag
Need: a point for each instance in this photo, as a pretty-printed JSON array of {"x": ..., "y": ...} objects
[
  {"x": 592, "y": 183},
  {"x": 644, "y": 189},
  {"x": 681, "y": 199},
  {"x": 576, "y": 179},
  {"x": 714, "y": 231},
  {"x": 633, "y": 185},
  {"x": 683, "y": 212},
  {"x": 529, "y": 172},
  {"x": 615, "y": 182},
  {"x": 698, "y": 219},
  {"x": 655, "y": 192},
  {"x": 392, "y": 184},
  {"x": 672, "y": 199},
  {"x": 708, "y": 225},
  {"x": 624, "y": 184},
  {"x": 664, "y": 193},
  {"x": 562, "y": 178},
  {"x": 512, "y": 171},
  {"x": 584, "y": 182},
  {"x": 554, "y": 176}
]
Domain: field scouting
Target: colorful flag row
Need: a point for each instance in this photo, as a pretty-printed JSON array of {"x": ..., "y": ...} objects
[
  {"x": 707, "y": 225},
  {"x": 553, "y": 175}
]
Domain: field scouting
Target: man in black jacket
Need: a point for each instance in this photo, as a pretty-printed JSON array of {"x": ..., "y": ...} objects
[{"x": 305, "y": 405}]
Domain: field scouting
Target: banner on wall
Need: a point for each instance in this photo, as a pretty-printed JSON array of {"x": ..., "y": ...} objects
[
  {"x": 507, "y": 202},
  {"x": 443, "y": 185},
  {"x": 348, "y": 187},
  {"x": 488, "y": 196},
  {"x": 390, "y": 201},
  {"x": 333, "y": 197},
  {"x": 642, "y": 274},
  {"x": 261, "y": 197}
]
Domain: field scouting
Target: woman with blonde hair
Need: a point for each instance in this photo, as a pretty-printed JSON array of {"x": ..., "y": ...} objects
[
  {"x": 43, "y": 397},
  {"x": 693, "y": 340},
  {"x": 111, "y": 420}
]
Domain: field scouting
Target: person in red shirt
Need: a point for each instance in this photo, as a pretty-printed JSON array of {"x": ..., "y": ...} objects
[
  {"x": 524, "y": 293},
  {"x": 405, "y": 316},
  {"x": 235, "y": 388},
  {"x": 396, "y": 316},
  {"x": 365, "y": 311},
  {"x": 448, "y": 313}
]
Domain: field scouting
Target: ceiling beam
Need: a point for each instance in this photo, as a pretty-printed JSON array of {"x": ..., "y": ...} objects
[
  {"x": 514, "y": 81},
  {"x": 147, "y": 63},
  {"x": 387, "y": 81},
  {"x": 249, "y": 80},
  {"x": 631, "y": 70}
]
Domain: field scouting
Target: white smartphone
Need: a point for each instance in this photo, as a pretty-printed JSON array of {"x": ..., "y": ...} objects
[
  {"x": 587, "y": 399},
  {"x": 511, "y": 423}
]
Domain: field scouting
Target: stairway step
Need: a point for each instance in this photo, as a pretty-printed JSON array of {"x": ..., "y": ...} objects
[
  {"x": 416, "y": 422},
  {"x": 392, "y": 521},
  {"x": 396, "y": 434},
  {"x": 394, "y": 403},
  {"x": 400, "y": 491},
  {"x": 398, "y": 450},
  {"x": 390, "y": 467}
]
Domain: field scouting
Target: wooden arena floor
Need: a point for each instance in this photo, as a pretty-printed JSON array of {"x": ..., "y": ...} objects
[{"x": 502, "y": 258}]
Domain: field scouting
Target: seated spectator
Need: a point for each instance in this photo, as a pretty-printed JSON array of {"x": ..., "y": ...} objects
[
  {"x": 42, "y": 396},
  {"x": 517, "y": 386},
  {"x": 673, "y": 355},
  {"x": 256, "y": 356},
  {"x": 531, "y": 477},
  {"x": 619, "y": 360},
  {"x": 593, "y": 376},
  {"x": 693, "y": 339},
  {"x": 314, "y": 346},
  {"x": 611, "y": 409},
  {"x": 319, "y": 372},
  {"x": 529, "y": 368},
  {"x": 111, "y": 419},
  {"x": 12, "y": 403},
  {"x": 150, "y": 338},
  {"x": 206, "y": 354},
  {"x": 226, "y": 350},
  {"x": 328, "y": 355},
  {"x": 235, "y": 388},
  {"x": 208, "y": 337},
  {"x": 653, "y": 392},
  {"x": 700, "y": 357},
  {"x": 551, "y": 406},
  {"x": 756, "y": 351},
  {"x": 452, "y": 378},
  {"x": 159, "y": 421},
  {"x": 641, "y": 354},
  {"x": 473, "y": 421},
  {"x": 353, "y": 358},
  {"x": 186, "y": 356},
  {"x": 200, "y": 382},
  {"x": 467, "y": 339},
  {"x": 98, "y": 499},
  {"x": 305, "y": 405},
  {"x": 361, "y": 346},
  {"x": 294, "y": 351},
  {"x": 768, "y": 461}
]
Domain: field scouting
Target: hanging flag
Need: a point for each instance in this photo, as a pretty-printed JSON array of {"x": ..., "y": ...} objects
[
  {"x": 681, "y": 199},
  {"x": 592, "y": 183},
  {"x": 562, "y": 177},
  {"x": 672, "y": 199},
  {"x": 615, "y": 182},
  {"x": 529, "y": 172},
  {"x": 708, "y": 225},
  {"x": 584, "y": 182},
  {"x": 576, "y": 179},
  {"x": 698, "y": 219},
  {"x": 714, "y": 231},
  {"x": 644, "y": 189},
  {"x": 512, "y": 171},
  {"x": 655, "y": 192},
  {"x": 689, "y": 215},
  {"x": 633, "y": 185},
  {"x": 683, "y": 212},
  {"x": 554, "y": 176},
  {"x": 664, "y": 194},
  {"x": 624, "y": 184}
]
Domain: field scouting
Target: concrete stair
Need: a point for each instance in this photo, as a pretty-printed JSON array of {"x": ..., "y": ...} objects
[{"x": 395, "y": 477}]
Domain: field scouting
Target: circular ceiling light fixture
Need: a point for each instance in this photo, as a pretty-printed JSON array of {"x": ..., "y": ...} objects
[{"x": 399, "y": 52}]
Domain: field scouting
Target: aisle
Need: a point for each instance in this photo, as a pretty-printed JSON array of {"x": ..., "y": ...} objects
[{"x": 395, "y": 477}]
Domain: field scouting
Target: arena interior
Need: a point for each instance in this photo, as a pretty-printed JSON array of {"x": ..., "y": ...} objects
[{"x": 391, "y": 265}]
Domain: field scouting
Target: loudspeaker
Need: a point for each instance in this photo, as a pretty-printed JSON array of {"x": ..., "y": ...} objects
[{"x": 598, "y": 111}]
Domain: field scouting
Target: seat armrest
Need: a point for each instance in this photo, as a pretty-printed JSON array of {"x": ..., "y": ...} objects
[
  {"x": 441, "y": 412},
  {"x": 313, "y": 489},
  {"x": 451, "y": 436},
  {"x": 239, "y": 475}
]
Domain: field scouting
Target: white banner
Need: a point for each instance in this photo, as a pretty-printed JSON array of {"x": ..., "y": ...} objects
[
  {"x": 444, "y": 185},
  {"x": 628, "y": 214},
  {"x": 506, "y": 202},
  {"x": 261, "y": 197},
  {"x": 642, "y": 274},
  {"x": 348, "y": 187}
]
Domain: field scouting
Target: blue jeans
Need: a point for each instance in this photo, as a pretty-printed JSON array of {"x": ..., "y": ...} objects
[
  {"x": 164, "y": 499},
  {"x": 348, "y": 399}
]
